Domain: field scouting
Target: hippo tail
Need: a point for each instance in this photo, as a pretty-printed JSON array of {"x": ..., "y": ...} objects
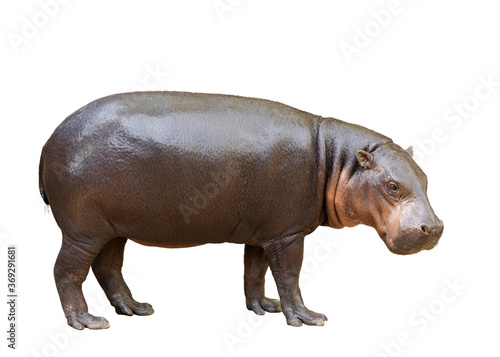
[{"x": 40, "y": 180}]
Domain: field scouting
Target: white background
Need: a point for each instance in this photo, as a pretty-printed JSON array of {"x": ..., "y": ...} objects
[{"x": 411, "y": 71}]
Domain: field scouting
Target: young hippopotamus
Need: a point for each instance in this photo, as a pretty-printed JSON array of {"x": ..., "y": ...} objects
[{"x": 172, "y": 169}]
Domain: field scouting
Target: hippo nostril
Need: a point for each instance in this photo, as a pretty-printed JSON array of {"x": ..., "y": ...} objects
[{"x": 425, "y": 228}]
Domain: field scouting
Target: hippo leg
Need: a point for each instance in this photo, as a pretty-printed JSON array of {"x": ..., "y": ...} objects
[
  {"x": 70, "y": 271},
  {"x": 255, "y": 271},
  {"x": 285, "y": 259},
  {"x": 107, "y": 268}
]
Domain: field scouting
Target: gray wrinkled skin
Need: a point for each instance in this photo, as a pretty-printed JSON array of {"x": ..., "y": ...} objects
[{"x": 173, "y": 169}]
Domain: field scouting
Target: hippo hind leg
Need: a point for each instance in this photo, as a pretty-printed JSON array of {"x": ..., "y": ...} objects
[
  {"x": 107, "y": 269},
  {"x": 255, "y": 271},
  {"x": 70, "y": 271}
]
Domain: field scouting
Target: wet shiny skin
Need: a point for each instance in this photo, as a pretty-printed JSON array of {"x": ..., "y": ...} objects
[{"x": 181, "y": 169}]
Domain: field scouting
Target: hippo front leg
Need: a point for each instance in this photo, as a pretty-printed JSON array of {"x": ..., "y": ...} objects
[
  {"x": 285, "y": 259},
  {"x": 256, "y": 265}
]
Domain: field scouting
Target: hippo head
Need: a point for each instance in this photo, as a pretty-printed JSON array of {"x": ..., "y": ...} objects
[{"x": 388, "y": 191}]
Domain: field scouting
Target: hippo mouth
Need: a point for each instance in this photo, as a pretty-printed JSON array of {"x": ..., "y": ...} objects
[{"x": 389, "y": 242}]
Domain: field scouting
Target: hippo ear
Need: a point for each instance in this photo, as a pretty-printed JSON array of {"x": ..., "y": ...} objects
[
  {"x": 365, "y": 159},
  {"x": 410, "y": 150}
]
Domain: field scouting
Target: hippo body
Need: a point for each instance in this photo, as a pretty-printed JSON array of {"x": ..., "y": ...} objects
[{"x": 175, "y": 169}]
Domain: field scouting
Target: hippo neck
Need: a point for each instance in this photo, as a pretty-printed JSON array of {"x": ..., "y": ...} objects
[{"x": 342, "y": 141}]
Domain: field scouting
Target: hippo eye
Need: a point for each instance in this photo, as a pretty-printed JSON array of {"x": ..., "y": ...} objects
[{"x": 393, "y": 187}]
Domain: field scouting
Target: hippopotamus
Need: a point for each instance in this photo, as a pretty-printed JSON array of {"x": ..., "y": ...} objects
[{"x": 175, "y": 169}]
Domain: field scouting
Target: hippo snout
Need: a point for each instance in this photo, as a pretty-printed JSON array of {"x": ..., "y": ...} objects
[
  {"x": 432, "y": 232},
  {"x": 418, "y": 237}
]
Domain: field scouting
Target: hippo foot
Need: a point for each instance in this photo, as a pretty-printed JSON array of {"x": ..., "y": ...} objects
[
  {"x": 129, "y": 307},
  {"x": 297, "y": 316},
  {"x": 80, "y": 321},
  {"x": 265, "y": 304}
]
